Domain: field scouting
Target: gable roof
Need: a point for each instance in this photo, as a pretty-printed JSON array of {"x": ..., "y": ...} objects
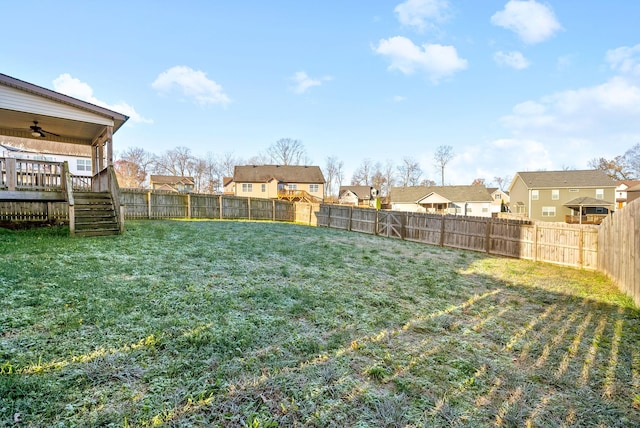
[
  {"x": 472, "y": 193},
  {"x": 586, "y": 201},
  {"x": 362, "y": 192},
  {"x": 283, "y": 173},
  {"x": 564, "y": 179},
  {"x": 171, "y": 179}
]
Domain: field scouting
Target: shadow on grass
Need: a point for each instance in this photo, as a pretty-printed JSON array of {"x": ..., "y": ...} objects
[{"x": 427, "y": 337}]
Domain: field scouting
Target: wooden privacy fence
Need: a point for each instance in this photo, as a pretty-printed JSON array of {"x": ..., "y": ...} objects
[
  {"x": 147, "y": 204},
  {"x": 557, "y": 243},
  {"x": 619, "y": 243}
]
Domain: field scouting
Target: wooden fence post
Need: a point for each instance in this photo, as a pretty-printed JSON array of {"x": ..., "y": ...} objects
[
  {"x": 188, "y": 205},
  {"x": 580, "y": 247},
  {"x": 442, "y": 230},
  {"x": 273, "y": 209},
  {"x": 535, "y": 242},
  {"x": 328, "y": 216},
  {"x": 350, "y": 218},
  {"x": 249, "y": 208},
  {"x": 149, "y": 204},
  {"x": 487, "y": 239},
  {"x": 72, "y": 220},
  {"x": 220, "y": 205},
  {"x": 375, "y": 226}
]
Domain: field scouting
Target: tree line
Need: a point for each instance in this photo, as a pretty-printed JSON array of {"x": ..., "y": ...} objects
[{"x": 135, "y": 165}]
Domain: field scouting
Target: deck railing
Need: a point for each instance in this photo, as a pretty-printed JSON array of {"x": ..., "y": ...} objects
[{"x": 36, "y": 175}]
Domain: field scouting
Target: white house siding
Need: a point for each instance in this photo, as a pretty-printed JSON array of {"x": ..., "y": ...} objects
[{"x": 17, "y": 100}]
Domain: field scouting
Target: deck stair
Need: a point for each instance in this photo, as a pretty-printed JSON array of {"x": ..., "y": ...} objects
[{"x": 95, "y": 214}]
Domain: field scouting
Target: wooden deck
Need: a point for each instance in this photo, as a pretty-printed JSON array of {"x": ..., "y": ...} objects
[{"x": 35, "y": 182}]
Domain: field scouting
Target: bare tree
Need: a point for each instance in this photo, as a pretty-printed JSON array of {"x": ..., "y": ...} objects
[
  {"x": 442, "y": 157},
  {"x": 129, "y": 174},
  {"x": 410, "y": 172},
  {"x": 479, "y": 182},
  {"x": 331, "y": 171},
  {"x": 615, "y": 168},
  {"x": 227, "y": 164},
  {"x": 362, "y": 175},
  {"x": 134, "y": 166},
  {"x": 378, "y": 179},
  {"x": 287, "y": 151},
  {"x": 632, "y": 159},
  {"x": 502, "y": 182},
  {"x": 178, "y": 162},
  {"x": 389, "y": 178}
]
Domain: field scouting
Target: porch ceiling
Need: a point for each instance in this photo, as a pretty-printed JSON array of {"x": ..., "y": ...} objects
[
  {"x": 16, "y": 124},
  {"x": 75, "y": 121}
]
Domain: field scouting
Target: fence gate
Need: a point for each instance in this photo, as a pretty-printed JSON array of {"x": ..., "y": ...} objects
[{"x": 390, "y": 224}]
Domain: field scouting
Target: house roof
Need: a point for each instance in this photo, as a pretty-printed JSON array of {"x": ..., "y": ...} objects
[
  {"x": 227, "y": 180},
  {"x": 474, "y": 193},
  {"x": 586, "y": 201},
  {"x": 283, "y": 173},
  {"x": 75, "y": 121},
  {"x": 171, "y": 179},
  {"x": 362, "y": 192},
  {"x": 564, "y": 179}
]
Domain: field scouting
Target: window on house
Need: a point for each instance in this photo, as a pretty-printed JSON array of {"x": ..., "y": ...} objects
[
  {"x": 548, "y": 211},
  {"x": 247, "y": 187},
  {"x": 83, "y": 164},
  {"x": 599, "y": 210},
  {"x": 555, "y": 194},
  {"x": 314, "y": 188},
  {"x": 469, "y": 209},
  {"x": 535, "y": 194},
  {"x": 485, "y": 208},
  {"x": 498, "y": 196},
  {"x": 263, "y": 188},
  {"x": 293, "y": 187},
  {"x": 599, "y": 193}
]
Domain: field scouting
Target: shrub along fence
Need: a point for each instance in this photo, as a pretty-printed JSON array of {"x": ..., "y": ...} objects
[{"x": 557, "y": 243}]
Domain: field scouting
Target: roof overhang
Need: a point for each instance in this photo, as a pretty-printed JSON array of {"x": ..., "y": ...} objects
[
  {"x": 587, "y": 202},
  {"x": 75, "y": 121}
]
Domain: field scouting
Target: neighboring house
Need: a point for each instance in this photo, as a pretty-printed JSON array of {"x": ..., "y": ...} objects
[
  {"x": 554, "y": 195},
  {"x": 357, "y": 195},
  {"x": 499, "y": 199},
  {"x": 473, "y": 200},
  {"x": 228, "y": 186},
  {"x": 172, "y": 183},
  {"x": 78, "y": 157},
  {"x": 294, "y": 182},
  {"x": 633, "y": 193},
  {"x": 625, "y": 189}
]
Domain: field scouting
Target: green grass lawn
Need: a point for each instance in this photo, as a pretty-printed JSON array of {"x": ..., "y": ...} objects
[{"x": 235, "y": 324}]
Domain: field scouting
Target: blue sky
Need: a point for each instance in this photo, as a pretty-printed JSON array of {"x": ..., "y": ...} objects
[{"x": 510, "y": 85}]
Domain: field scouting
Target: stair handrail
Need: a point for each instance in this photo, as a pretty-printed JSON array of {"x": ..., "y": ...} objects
[
  {"x": 114, "y": 188},
  {"x": 67, "y": 186},
  {"x": 67, "y": 190}
]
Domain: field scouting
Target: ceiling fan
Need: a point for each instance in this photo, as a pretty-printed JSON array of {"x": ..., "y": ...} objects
[{"x": 37, "y": 131}]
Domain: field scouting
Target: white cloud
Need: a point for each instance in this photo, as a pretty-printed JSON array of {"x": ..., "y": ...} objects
[
  {"x": 531, "y": 21},
  {"x": 436, "y": 61},
  {"x": 399, "y": 98},
  {"x": 513, "y": 59},
  {"x": 193, "y": 84},
  {"x": 73, "y": 87},
  {"x": 419, "y": 13},
  {"x": 303, "y": 82},
  {"x": 625, "y": 59}
]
